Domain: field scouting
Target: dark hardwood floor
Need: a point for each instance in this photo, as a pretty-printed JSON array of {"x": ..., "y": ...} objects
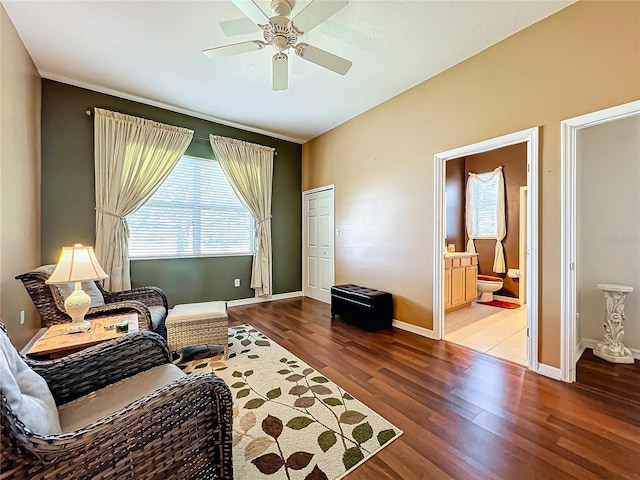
[
  {"x": 600, "y": 377},
  {"x": 465, "y": 415}
]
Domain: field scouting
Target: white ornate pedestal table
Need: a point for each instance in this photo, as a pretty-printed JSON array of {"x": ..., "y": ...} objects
[{"x": 612, "y": 349}]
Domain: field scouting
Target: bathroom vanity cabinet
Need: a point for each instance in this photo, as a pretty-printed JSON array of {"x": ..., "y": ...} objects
[{"x": 460, "y": 280}]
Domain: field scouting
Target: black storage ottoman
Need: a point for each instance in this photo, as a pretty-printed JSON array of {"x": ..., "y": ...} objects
[{"x": 365, "y": 307}]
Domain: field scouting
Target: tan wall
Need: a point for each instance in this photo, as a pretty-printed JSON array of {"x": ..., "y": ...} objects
[
  {"x": 608, "y": 223},
  {"x": 19, "y": 180},
  {"x": 584, "y": 58}
]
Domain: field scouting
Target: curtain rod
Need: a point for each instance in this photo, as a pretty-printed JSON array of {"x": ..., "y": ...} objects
[{"x": 89, "y": 112}]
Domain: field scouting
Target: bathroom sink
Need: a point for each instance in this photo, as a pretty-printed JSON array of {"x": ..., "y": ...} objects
[{"x": 459, "y": 254}]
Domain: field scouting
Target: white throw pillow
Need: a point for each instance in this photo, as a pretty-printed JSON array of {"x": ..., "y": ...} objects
[
  {"x": 90, "y": 288},
  {"x": 27, "y": 392}
]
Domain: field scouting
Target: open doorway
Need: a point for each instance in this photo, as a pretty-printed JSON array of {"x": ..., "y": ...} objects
[
  {"x": 600, "y": 228},
  {"x": 490, "y": 314},
  {"x": 476, "y": 159}
]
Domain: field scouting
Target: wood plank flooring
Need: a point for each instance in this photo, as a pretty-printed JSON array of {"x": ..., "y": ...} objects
[
  {"x": 609, "y": 379},
  {"x": 465, "y": 415}
]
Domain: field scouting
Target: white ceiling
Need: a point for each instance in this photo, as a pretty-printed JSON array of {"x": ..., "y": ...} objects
[{"x": 151, "y": 51}]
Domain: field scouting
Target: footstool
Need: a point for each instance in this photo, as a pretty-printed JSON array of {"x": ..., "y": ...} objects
[
  {"x": 198, "y": 323},
  {"x": 365, "y": 307}
]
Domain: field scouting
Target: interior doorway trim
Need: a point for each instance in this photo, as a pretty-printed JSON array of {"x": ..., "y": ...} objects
[
  {"x": 530, "y": 137},
  {"x": 569, "y": 348},
  {"x": 522, "y": 244},
  {"x": 304, "y": 235}
]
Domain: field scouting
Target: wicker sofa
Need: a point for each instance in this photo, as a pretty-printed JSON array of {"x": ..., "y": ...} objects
[
  {"x": 150, "y": 303},
  {"x": 182, "y": 430}
]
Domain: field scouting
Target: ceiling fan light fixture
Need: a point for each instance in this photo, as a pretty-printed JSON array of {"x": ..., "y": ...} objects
[
  {"x": 280, "y": 42},
  {"x": 283, "y": 33}
]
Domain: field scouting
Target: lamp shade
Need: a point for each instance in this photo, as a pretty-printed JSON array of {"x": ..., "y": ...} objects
[{"x": 77, "y": 264}]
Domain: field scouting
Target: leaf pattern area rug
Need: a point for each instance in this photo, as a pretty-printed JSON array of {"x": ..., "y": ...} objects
[{"x": 290, "y": 421}]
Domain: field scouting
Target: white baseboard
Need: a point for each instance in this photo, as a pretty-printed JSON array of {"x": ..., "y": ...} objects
[
  {"x": 507, "y": 299},
  {"x": 252, "y": 300},
  {"x": 409, "y": 327},
  {"x": 548, "y": 371},
  {"x": 590, "y": 343},
  {"x": 283, "y": 296}
]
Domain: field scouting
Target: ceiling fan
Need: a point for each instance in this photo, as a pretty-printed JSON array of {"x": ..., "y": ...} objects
[{"x": 282, "y": 33}]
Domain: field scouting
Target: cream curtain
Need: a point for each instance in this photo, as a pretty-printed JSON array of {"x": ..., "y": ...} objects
[
  {"x": 501, "y": 226},
  {"x": 249, "y": 169},
  {"x": 133, "y": 156},
  {"x": 470, "y": 224}
]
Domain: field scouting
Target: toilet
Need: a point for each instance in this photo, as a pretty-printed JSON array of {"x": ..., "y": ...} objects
[{"x": 487, "y": 285}]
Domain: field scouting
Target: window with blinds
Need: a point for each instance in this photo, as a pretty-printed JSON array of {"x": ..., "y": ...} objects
[
  {"x": 194, "y": 213},
  {"x": 484, "y": 202}
]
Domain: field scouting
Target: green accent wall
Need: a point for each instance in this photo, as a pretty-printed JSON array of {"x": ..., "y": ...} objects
[{"x": 68, "y": 197}]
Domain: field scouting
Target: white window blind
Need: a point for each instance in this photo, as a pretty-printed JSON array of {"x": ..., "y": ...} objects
[
  {"x": 484, "y": 202},
  {"x": 194, "y": 213}
]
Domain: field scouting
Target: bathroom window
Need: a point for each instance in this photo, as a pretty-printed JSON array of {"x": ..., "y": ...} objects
[
  {"x": 484, "y": 203},
  {"x": 485, "y": 212}
]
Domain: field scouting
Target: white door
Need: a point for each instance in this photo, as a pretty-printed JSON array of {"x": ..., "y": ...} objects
[{"x": 317, "y": 243}]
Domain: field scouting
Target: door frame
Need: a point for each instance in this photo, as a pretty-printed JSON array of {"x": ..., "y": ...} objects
[
  {"x": 530, "y": 137},
  {"x": 304, "y": 234},
  {"x": 569, "y": 350},
  {"x": 522, "y": 244}
]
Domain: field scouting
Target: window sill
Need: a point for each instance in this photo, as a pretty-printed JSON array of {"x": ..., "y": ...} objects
[{"x": 193, "y": 256}]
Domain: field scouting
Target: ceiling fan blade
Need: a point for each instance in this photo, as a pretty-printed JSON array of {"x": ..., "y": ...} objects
[
  {"x": 323, "y": 58},
  {"x": 280, "y": 72},
  {"x": 240, "y": 26},
  {"x": 317, "y": 12},
  {"x": 233, "y": 49},
  {"x": 251, "y": 10}
]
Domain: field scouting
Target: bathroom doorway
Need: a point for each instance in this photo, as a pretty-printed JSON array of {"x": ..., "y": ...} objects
[
  {"x": 482, "y": 326},
  {"x": 490, "y": 317}
]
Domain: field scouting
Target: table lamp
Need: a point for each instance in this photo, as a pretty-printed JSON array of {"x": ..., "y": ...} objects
[{"x": 77, "y": 264}]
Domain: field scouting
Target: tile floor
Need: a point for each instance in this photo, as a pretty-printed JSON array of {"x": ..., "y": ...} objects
[{"x": 498, "y": 332}]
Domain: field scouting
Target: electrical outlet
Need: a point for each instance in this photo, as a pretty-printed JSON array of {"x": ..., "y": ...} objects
[
  {"x": 236, "y": 282},
  {"x": 21, "y": 317}
]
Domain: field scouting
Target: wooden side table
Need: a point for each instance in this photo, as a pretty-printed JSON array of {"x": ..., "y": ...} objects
[{"x": 55, "y": 342}]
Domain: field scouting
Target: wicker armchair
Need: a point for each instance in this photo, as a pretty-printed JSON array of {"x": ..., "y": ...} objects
[
  {"x": 182, "y": 430},
  {"x": 150, "y": 303}
]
